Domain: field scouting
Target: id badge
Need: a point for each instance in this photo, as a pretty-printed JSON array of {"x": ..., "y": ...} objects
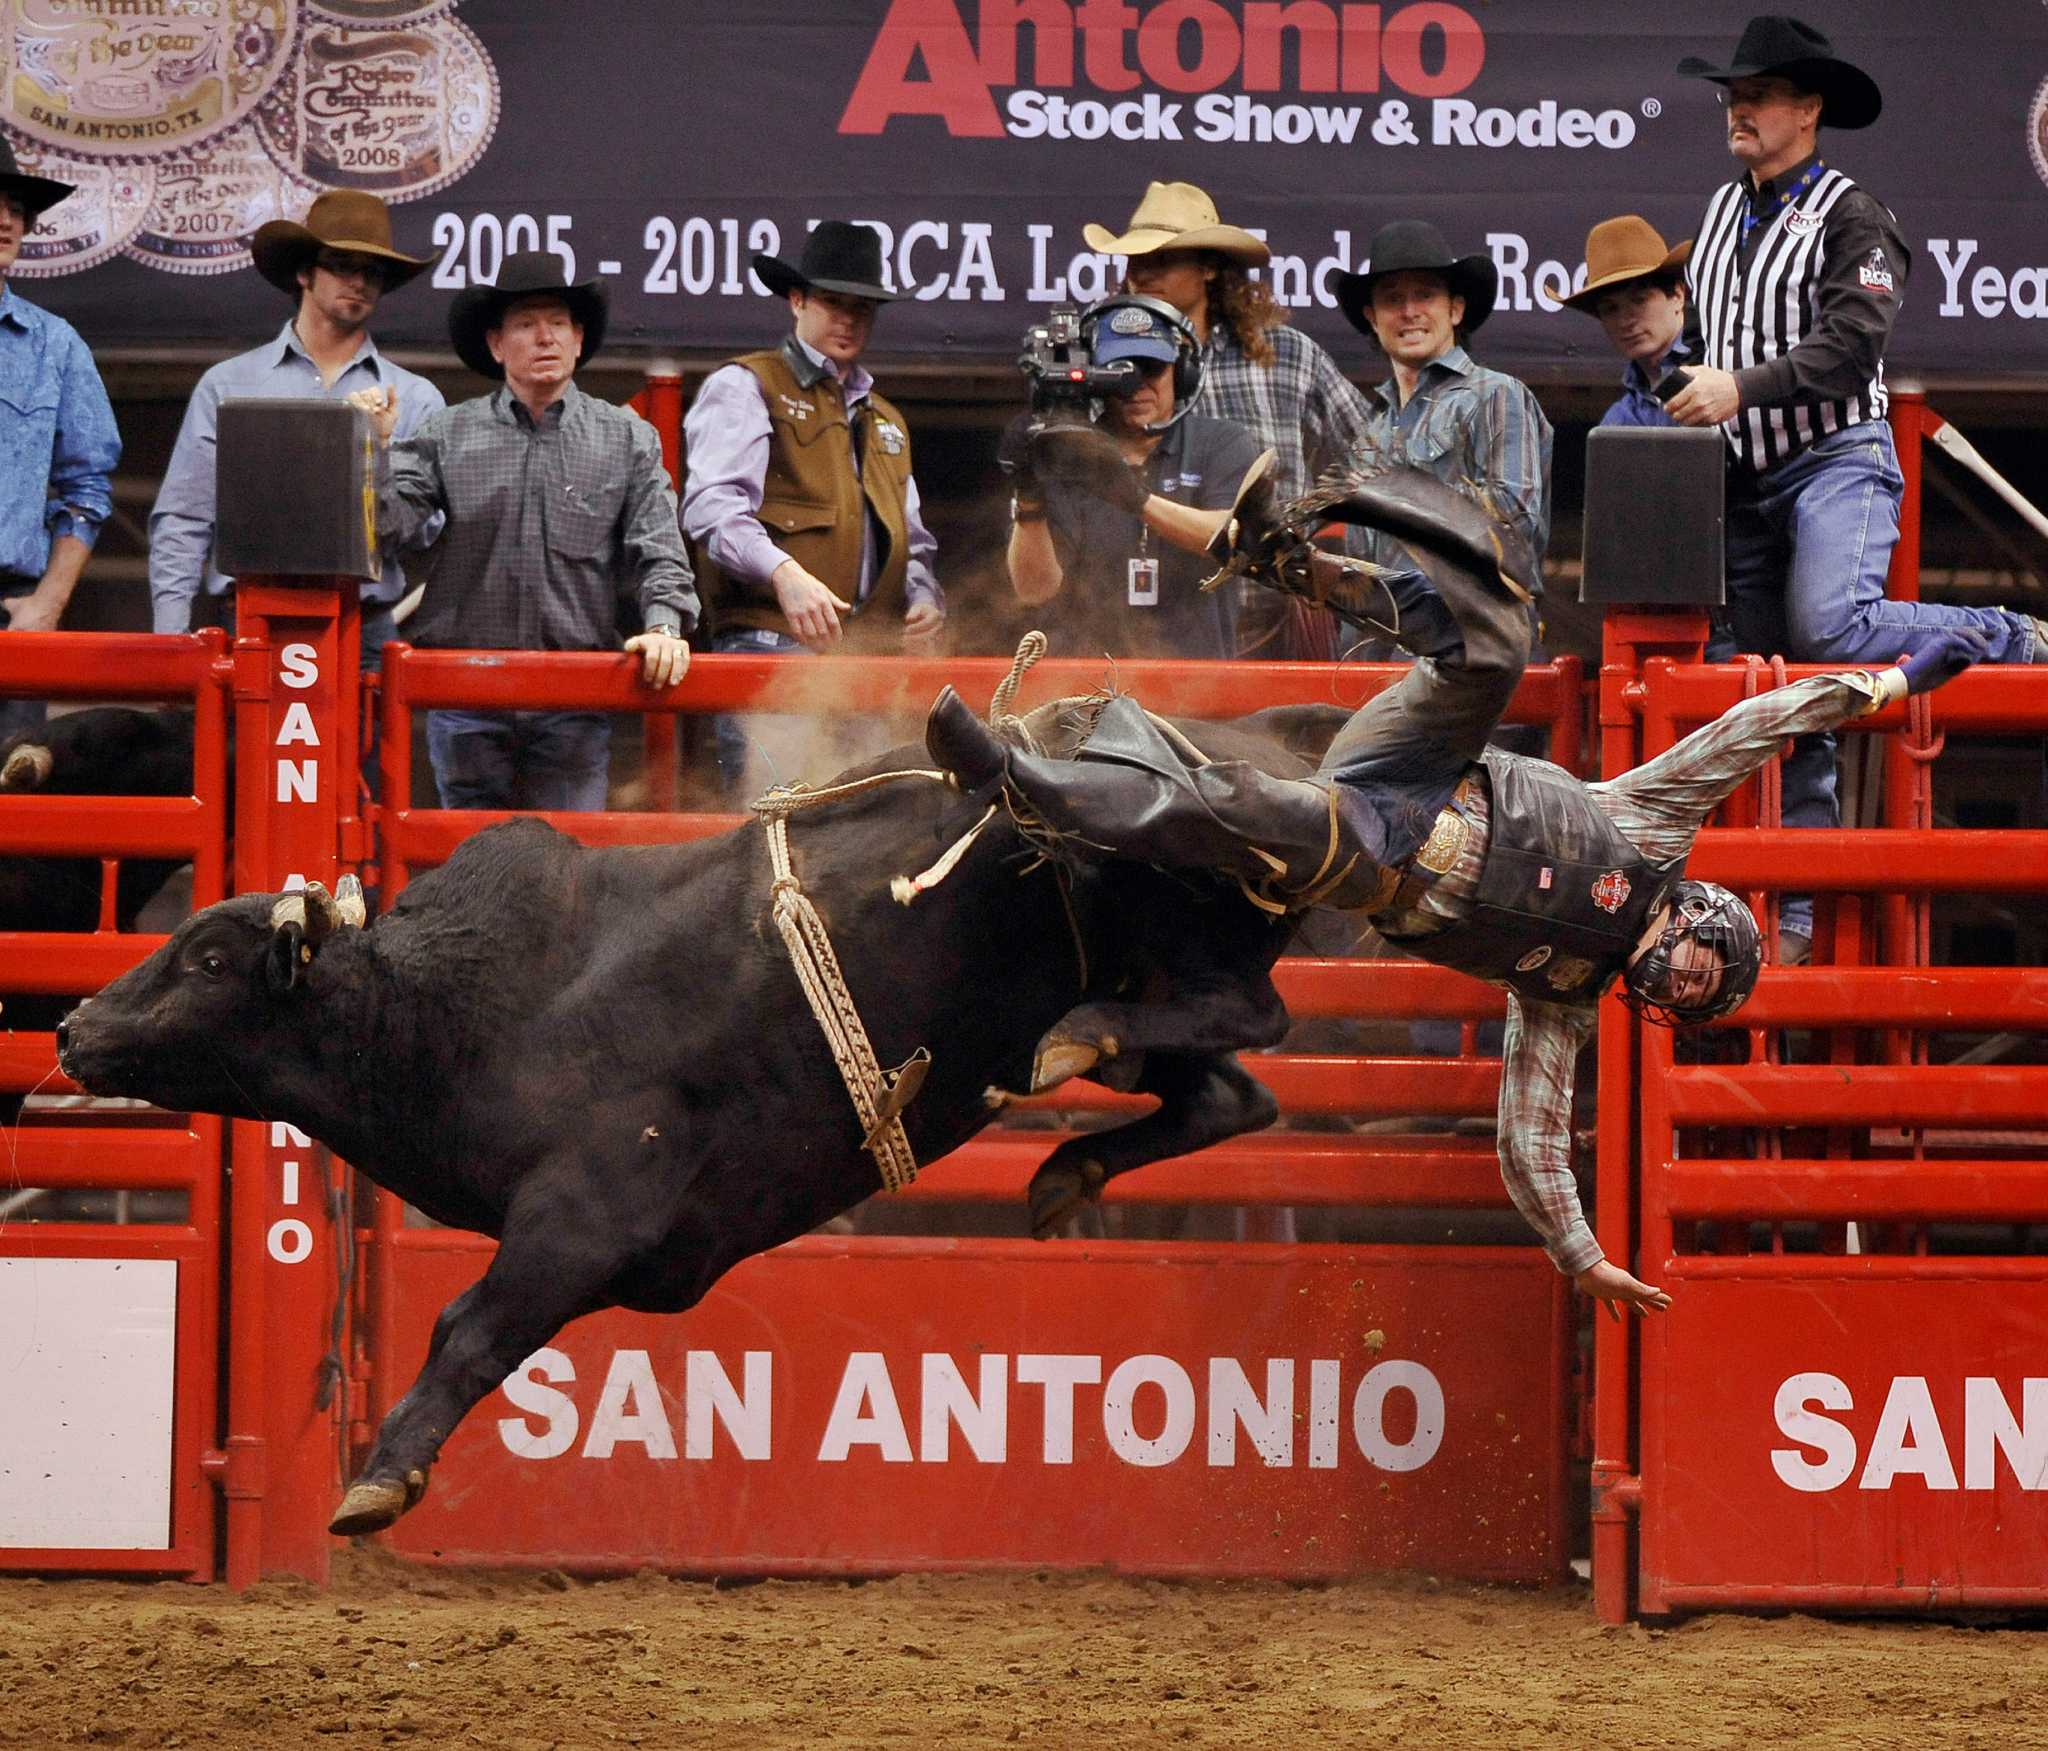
[{"x": 1144, "y": 583}]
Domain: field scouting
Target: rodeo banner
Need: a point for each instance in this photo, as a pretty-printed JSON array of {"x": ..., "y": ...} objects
[{"x": 661, "y": 146}]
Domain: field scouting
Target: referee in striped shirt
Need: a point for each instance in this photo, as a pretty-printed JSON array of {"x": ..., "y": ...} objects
[{"x": 1796, "y": 279}]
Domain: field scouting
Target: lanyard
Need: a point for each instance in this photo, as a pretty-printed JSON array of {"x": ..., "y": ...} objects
[{"x": 1752, "y": 218}]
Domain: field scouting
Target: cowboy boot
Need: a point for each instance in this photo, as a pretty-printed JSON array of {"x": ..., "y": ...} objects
[{"x": 1128, "y": 793}]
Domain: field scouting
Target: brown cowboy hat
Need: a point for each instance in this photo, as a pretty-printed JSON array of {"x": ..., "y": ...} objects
[
  {"x": 1177, "y": 215},
  {"x": 342, "y": 219},
  {"x": 1620, "y": 250},
  {"x": 1776, "y": 42},
  {"x": 525, "y": 274},
  {"x": 37, "y": 194}
]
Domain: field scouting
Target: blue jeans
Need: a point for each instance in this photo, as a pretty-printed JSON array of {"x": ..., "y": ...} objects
[
  {"x": 17, "y": 714},
  {"x": 1809, "y": 543},
  {"x": 761, "y": 749},
  {"x": 520, "y": 759}
]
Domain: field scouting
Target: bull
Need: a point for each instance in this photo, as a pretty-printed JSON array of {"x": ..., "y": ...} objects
[{"x": 604, "y": 1059}]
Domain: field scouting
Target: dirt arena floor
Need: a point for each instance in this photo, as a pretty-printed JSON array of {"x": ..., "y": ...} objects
[{"x": 399, "y": 1656}]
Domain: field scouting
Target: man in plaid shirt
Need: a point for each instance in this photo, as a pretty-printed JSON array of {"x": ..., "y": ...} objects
[
  {"x": 556, "y": 506},
  {"x": 1505, "y": 867}
]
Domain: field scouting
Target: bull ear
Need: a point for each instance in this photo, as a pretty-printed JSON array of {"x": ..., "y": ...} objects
[{"x": 285, "y": 963}]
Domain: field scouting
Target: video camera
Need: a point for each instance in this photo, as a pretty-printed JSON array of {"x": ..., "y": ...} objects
[{"x": 1063, "y": 374}]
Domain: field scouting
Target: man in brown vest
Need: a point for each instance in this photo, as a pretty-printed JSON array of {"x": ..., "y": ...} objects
[{"x": 800, "y": 501}]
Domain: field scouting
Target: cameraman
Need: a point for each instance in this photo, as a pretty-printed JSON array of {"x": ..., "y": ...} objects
[{"x": 1113, "y": 514}]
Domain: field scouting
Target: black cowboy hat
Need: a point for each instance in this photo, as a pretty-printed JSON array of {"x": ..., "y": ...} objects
[
  {"x": 1417, "y": 244},
  {"x": 1775, "y": 42},
  {"x": 838, "y": 257},
  {"x": 345, "y": 220},
  {"x": 37, "y": 194},
  {"x": 479, "y": 309}
]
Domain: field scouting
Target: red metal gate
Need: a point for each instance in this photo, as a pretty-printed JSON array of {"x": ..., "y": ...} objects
[
  {"x": 114, "y": 1327},
  {"x": 1834, "y": 1415},
  {"x": 1167, "y": 1407}
]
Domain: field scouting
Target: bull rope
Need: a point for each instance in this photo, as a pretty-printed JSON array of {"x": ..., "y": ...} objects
[{"x": 879, "y": 1096}]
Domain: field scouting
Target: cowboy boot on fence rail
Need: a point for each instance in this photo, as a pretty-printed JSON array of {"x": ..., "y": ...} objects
[{"x": 1128, "y": 792}]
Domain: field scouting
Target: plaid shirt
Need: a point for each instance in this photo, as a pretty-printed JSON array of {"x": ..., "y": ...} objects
[
  {"x": 1659, "y": 805},
  {"x": 1312, "y": 417},
  {"x": 548, "y": 524},
  {"x": 1300, "y": 404},
  {"x": 1465, "y": 423}
]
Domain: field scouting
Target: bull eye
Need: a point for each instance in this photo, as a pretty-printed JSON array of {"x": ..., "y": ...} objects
[{"x": 214, "y": 965}]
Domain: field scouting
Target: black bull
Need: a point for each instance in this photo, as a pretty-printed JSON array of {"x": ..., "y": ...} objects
[{"x": 604, "y": 1059}]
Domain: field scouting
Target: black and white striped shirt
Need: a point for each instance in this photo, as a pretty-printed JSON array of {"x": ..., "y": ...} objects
[{"x": 1801, "y": 309}]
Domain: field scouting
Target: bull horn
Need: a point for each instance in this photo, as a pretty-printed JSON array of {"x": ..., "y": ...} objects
[
  {"x": 319, "y": 914},
  {"x": 27, "y": 768}
]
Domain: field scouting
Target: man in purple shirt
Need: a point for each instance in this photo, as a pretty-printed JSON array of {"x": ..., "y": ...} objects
[
  {"x": 800, "y": 501},
  {"x": 1635, "y": 287}
]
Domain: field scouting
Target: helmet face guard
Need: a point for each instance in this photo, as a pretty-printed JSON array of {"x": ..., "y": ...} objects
[{"x": 1668, "y": 994}]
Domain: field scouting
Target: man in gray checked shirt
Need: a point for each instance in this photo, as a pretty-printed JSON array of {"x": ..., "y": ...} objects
[{"x": 557, "y": 504}]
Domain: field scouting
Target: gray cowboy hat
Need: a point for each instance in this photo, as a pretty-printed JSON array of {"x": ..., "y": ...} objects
[
  {"x": 343, "y": 219},
  {"x": 1776, "y": 42},
  {"x": 838, "y": 257},
  {"x": 479, "y": 309},
  {"x": 1419, "y": 245},
  {"x": 37, "y": 194}
]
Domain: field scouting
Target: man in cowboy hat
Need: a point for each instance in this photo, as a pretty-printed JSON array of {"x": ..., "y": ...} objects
[
  {"x": 58, "y": 440},
  {"x": 335, "y": 267},
  {"x": 801, "y": 503},
  {"x": 1795, "y": 380},
  {"x": 1441, "y": 410},
  {"x": 1635, "y": 289},
  {"x": 1269, "y": 378},
  {"x": 555, "y": 504}
]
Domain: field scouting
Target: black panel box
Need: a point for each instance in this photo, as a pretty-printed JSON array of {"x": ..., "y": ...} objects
[
  {"x": 1655, "y": 516},
  {"x": 296, "y": 492}
]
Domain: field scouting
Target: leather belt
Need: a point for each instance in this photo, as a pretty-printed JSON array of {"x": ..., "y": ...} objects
[{"x": 1403, "y": 886}]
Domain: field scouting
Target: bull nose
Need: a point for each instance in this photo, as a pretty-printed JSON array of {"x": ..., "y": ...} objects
[{"x": 64, "y": 1035}]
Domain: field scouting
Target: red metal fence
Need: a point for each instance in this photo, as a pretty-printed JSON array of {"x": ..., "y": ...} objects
[
  {"x": 1838, "y": 1410},
  {"x": 1476, "y": 1348},
  {"x": 135, "y": 1152}
]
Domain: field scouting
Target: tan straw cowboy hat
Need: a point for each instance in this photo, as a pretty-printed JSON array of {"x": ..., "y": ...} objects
[
  {"x": 343, "y": 219},
  {"x": 1623, "y": 249},
  {"x": 1177, "y": 215}
]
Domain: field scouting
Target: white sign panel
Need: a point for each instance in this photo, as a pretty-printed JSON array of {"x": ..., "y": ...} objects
[{"x": 87, "y": 1357}]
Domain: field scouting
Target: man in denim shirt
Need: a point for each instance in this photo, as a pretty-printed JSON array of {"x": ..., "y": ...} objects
[
  {"x": 58, "y": 441},
  {"x": 335, "y": 267},
  {"x": 1441, "y": 410},
  {"x": 1635, "y": 290}
]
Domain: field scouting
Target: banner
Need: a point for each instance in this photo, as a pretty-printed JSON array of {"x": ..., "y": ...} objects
[{"x": 660, "y": 147}]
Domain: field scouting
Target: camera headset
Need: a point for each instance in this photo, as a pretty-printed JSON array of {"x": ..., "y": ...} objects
[{"x": 1187, "y": 358}]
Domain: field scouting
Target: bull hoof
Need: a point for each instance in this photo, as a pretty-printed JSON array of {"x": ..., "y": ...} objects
[
  {"x": 374, "y": 1503},
  {"x": 1057, "y": 1192},
  {"x": 1058, "y": 1059}
]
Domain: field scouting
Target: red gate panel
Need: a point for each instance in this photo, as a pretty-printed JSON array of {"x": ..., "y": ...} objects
[
  {"x": 1867, "y": 1432},
  {"x": 848, "y": 1406}
]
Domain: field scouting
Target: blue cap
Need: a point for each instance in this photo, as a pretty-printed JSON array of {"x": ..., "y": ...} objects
[{"x": 1131, "y": 332}]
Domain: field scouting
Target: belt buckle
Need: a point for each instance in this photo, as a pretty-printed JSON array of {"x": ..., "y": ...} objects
[{"x": 1440, "y": 851}]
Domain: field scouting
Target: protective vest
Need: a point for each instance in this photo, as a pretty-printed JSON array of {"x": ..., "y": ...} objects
[
  {"x": 814, "y": 501},
  {"x": 1563, "y": 892}
]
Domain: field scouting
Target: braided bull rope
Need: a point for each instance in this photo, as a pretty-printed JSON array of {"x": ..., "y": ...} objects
[
  {"x": 879, "y": 1096},
  {"x": 875, "y": 1093}
]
